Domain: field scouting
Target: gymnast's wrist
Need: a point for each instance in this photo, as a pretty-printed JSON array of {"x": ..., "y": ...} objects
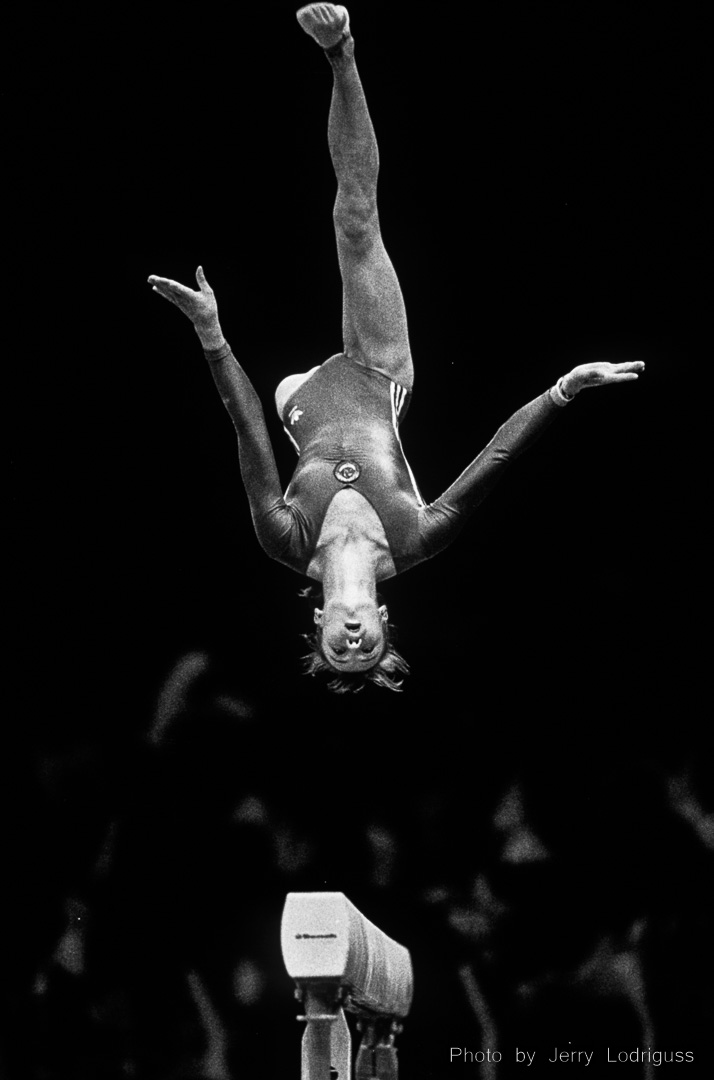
[
  {"x": 570, "y": 385},
  {"x": 210, "y": 334},
  {"x": 563, "y": 392}
]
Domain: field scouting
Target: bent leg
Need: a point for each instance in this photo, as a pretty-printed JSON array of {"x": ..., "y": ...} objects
[
  {"x": 288, "y": 386},
  {"x": 374, "y": 317}
]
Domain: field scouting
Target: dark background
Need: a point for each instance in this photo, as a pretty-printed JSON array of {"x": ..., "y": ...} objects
[{"x": 542, "y": 196}]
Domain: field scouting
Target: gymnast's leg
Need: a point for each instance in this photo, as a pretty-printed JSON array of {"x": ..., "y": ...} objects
[
  {"x": 288, "y": 386},
  {"x": 374, "y": 318}
]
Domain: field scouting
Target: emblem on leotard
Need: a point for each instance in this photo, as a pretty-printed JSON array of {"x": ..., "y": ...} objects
[{"x": 347, "y": 472}]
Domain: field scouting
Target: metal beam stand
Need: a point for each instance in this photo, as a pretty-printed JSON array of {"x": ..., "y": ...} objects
[{"x": 326, "y": 1044}]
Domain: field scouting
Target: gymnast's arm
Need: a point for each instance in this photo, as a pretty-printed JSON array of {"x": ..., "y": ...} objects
[
  {"x": 440, "y": 522},
  {"x": 271, "y": 517}
]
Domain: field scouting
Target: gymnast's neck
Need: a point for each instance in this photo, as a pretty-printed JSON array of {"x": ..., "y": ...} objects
[{"x": 349, "y": 565}]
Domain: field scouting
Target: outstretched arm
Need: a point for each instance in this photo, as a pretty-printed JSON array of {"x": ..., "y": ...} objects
[
  {"x": 443, "y": 519},
  {"x": 257, "y": 461}
]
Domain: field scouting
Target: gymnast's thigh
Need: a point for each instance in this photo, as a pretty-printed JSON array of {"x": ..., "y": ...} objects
[
  {"x": 288, "y": 386},
  {"x": 374, "y": 321}
]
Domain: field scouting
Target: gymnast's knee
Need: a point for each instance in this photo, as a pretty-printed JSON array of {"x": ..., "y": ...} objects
[{"x": 356, "y": 223}]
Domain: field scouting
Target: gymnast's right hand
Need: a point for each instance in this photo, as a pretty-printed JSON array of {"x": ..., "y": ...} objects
[{"x": 199, "y": 306}]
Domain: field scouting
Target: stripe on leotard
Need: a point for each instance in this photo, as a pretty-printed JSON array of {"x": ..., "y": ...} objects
[
  {"x": 398, "y": 395},
  {"x": 297, "y": 448}
]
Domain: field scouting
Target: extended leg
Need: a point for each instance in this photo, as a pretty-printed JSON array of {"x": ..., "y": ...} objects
[{"x": 374, "y": 318}]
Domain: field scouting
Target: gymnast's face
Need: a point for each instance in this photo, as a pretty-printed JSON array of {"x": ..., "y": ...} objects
[{"x": 353, "y": 636}]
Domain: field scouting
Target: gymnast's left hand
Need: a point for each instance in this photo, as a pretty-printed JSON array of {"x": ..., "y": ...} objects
[
  {"x": 198, "y": 305},
  {"x": 601, "y": 373}
]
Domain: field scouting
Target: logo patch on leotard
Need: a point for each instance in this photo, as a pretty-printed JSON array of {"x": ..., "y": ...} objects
[{"x": 347, "y": 472}]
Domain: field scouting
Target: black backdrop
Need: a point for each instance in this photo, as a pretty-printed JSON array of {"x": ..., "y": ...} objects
[{"x": 543, "y": 198}]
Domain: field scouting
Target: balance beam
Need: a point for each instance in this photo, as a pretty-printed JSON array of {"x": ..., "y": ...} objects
[{"x": 341, "y": 961}]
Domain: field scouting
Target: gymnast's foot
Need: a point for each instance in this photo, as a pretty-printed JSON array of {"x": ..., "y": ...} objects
[{"x": 328, "y": 24}]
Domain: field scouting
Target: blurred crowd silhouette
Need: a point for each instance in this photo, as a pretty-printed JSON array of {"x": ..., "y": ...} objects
[{"x": 534, "y": 902}]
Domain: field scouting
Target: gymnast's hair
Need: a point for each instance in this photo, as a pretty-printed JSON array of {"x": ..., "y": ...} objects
[{"x": 384, "y": 673}]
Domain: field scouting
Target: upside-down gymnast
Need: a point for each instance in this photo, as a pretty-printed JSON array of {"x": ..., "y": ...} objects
[{"x": 352, "y": 514}]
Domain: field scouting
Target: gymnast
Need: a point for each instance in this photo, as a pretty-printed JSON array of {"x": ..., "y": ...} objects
[{"x": 352, "y": 515}]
